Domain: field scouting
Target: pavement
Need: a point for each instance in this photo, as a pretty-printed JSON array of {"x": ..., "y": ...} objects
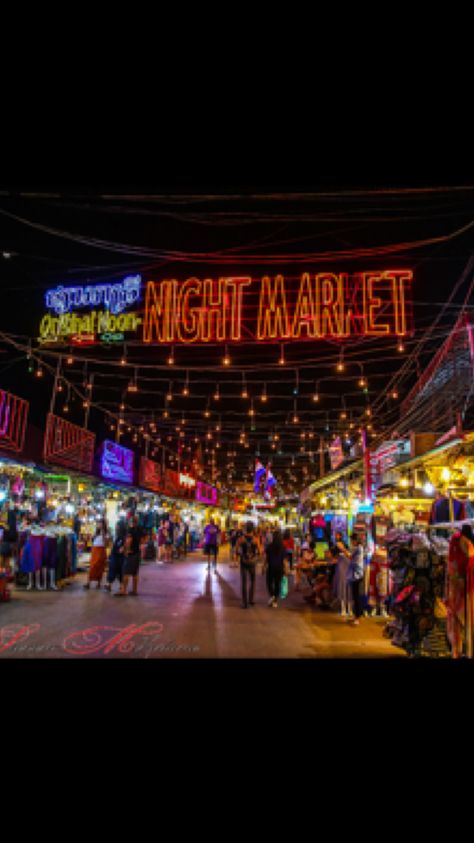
[{"x": 181, "y": 611}]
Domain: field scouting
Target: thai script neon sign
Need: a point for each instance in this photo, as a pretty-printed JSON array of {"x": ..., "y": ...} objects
[
  {"x": 325, "y": 306},
  {"x": 116, "y": 462},
  {"x": 115, "y": 297}
]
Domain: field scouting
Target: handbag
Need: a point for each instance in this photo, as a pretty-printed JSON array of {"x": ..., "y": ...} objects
[{"x": 284, "y": 588}]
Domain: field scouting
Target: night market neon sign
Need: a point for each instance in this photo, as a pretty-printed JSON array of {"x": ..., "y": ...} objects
[{"x": 322, "y": 306}]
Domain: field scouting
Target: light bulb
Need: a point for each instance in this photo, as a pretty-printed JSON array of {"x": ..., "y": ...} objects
[
  {"x": 315, "y": 397},
  {"x": 185, "y": 391},
  {"x": 401, "y": 347}
]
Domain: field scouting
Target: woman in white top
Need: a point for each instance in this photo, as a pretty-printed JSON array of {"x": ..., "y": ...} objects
[{"x": 98, "y": 557}]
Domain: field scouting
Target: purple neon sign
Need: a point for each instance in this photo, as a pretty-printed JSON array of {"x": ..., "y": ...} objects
[
  {"x": 206, "y": 494},
  {"x": 116, "y": 462}
]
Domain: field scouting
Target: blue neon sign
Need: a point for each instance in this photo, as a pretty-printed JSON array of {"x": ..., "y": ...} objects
[{"x": 115, "y": 297}]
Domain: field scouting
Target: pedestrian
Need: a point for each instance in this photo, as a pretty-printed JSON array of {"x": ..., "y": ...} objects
[
  {"x": 341, "y": 587},
  {"x": 355, "y": 577},
  {"x": 247, "y": 552},
  {"x": 289, "y": 547},
  {"x": 117, "y": 558},
  {"x": 98, "y": 556},
  {"x": 211, "y": 540},
  {"x": 131, "y": 565},
  {"x": 276, "y": 567}
]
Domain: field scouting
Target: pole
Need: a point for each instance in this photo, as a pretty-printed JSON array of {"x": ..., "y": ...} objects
[
  {"x": 88, "y": 401},
  {"x": 56, "y": 378}
]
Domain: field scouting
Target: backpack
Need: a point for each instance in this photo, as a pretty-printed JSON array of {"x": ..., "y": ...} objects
[{"x": 247, "y": 551}]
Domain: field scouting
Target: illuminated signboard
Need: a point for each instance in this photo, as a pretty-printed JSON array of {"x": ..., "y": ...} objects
[
  {"x": 150, "y": 475},
  {"x": 108, "y": 318},
  {"x": 206, "y": 493},
  {"x": 13, "y": 416},
  {"x": 323, "y": 306},
  {"x": 336, "y": 454},
  {"x": 67, "y": 444},
  {"x": 116, "y": 462}
]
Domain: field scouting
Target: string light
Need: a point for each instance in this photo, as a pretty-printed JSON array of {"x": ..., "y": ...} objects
[
  {"x": 400, "y": 346},
  {"x": 171, "y": 357},
  {"x": 70, "y": 361},
  {"x": 169, "y": 396},
  {"x": 226, "y": 360},
  {"x": 340, "y": 366},
  {"x": 263, "y": 396},
  {"x": 282, "y": 360},
  {"x": 217, "y": 393},
  {"x": 39, "y": 372}
]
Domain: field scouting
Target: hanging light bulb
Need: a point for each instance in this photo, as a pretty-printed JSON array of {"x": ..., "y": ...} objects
[
  {"x": 394, "y": 394},
  {"x": 282, "y": 360},
  {"x": 169, "y": 396},
  {"x": 400, "y": 346},
  {"x": 171, "y": 357},
  {"x": 263, "y": 396},
  {"x": 39, "y": 371},
  {"x": 368, "y": 411},
  {"x": 70, "y": 361},
  {"x": 207, "y": 413},
  {"x": 217, "y": 393},
  {"x": 66, "y": 408},
  {"x": 226, "y": 359},
  {"x": 340, "y": 366}
]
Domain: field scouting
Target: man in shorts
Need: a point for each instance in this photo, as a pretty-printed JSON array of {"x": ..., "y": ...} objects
[{"x": 211, "y": 539}]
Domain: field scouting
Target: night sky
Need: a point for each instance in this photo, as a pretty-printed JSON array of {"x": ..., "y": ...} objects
[{"x": 137, "y": 236}]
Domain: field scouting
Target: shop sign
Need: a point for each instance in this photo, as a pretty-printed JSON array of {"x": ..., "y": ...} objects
[
  {"x": 336, "y": 454},
  {"x": 116, "y": 462},
  {"x": 325, "y": 305},
  {"x": 206, "y": 494},
  {"x": 13, "y": 418},
  {"x": 186, "y": 481},
  {"x": 68, "y": 444},
  {"x": 150, "y": 475},
  {"x": 107, "y": 317}
]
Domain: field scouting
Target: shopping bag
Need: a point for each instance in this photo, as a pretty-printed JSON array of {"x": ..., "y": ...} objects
[{"x": 284, "y": 588}]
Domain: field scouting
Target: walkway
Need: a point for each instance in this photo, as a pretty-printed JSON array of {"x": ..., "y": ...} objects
[{"x": 182, "y": 611}]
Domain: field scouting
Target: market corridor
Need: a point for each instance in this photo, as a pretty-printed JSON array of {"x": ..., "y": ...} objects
[{"x": 182, "y": 611}]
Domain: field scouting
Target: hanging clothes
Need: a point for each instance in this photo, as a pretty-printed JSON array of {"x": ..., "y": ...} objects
[
  {"x": 455, "y": 593},
  {"x": 50, "y": 552}
]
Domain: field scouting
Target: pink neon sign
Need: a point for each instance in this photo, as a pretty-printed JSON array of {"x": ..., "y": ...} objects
[{"x": 206, "y": 493}]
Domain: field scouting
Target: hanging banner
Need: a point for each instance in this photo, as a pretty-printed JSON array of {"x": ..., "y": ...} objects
[
  {"x": 13, "y": 418},
  {"x": 68, "y": 444},
  {"x": 324, "y": 305}
]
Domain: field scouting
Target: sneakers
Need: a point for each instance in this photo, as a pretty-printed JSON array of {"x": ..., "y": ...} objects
[{"x": 270, "y": 602}]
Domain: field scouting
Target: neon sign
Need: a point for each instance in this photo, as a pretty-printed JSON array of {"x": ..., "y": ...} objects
[
  {"x": 65, "y": 324},
  {"x": 68, "y": 444},
  {"x": 327, "y": 306},
  {"x": 150, "y": 475},
  {"x": 13, "y": 417},
  {"x": 206, "y": 494},
  {"x": 115, "y": 297},
  {"x": 116, "y": 462}
]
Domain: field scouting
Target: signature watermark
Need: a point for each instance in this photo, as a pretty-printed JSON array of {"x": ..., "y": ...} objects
[{"x": 137, "y": 639}]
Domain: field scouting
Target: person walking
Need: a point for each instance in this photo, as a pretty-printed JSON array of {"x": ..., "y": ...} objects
[
  {"x": 117, "y": 558},
  {"x": 289, "y": 547},
  {"x": 355, "y": 576},
  {"x": 247, "y": 552},
  {"x": 211, "y": 537},
  {"x": 341, "y": 587},
  {"x": 276, "y": 567},
  {"x": 132, "y": 560},
  {"x": 98, "y": 556}
]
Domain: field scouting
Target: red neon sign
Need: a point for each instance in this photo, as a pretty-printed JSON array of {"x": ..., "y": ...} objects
[
  {"x": 150, "y": 475},
  {"x": 323, "y": 306},
  {"x": 13, "y": 416},
  {"x": 68, "y": 444}
]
